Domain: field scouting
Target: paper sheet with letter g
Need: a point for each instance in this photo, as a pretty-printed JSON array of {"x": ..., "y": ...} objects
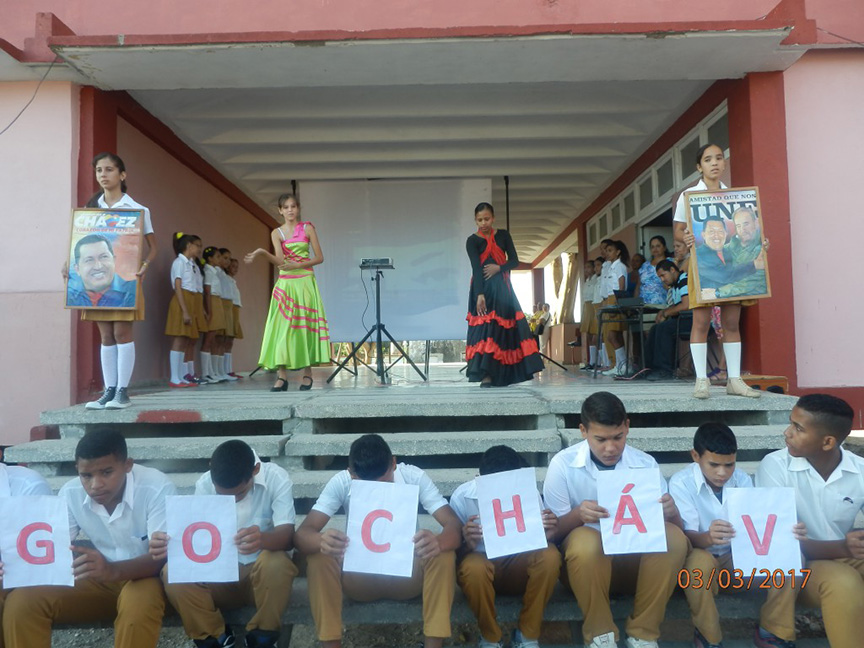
[
  {"x": 510, "y": 512},
  {"x": 201, "y": 530},
  {"x": 34, "y": 541},
  {"x": 635, "y": 523},
  {"x": 382, "y": 520}
]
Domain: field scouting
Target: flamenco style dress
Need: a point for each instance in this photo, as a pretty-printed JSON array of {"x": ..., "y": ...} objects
[
  {"x": 296, "y": 335},
  {"x": 500, "y": 344}
]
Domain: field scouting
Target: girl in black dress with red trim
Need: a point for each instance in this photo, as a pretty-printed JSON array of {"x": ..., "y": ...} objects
[{"x": 501, "y": 349}]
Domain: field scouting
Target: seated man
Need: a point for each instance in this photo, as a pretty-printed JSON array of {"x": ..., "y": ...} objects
[
  {"x": 265, "y": 523},
  {"x": 570, "y": 491},
  {"x": 16, "y": 481},
  {"x": 118, "y": 505},
  {"x": 434, "y": 574},
  {"x": 531, "y": 574},
  {"x": 662, "y": 344}
]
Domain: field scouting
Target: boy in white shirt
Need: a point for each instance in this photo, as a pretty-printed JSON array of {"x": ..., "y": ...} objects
[
  {"x": 16, "y": 481},
  {"x": 117, "y": 505},
  {"x": 265, "y": 533},
  {"x": 532, "y": 574},
  {"x": 570, "y": 491},
  {"x": 829, "y": 494},
  {"x": 370, "y": 458},
  {"x": 699, "y": 491}
]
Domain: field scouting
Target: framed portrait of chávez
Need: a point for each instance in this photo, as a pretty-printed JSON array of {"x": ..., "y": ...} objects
[
  {"x": 104, "y": 254},
  {"x": 730, "y": 261}
]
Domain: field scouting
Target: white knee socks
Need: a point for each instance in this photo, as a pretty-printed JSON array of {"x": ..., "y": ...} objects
[
  {"x": 699, "y": 351},
  {"x": 125, "y": 363},
  {"x": 175, "y": 359},
  {"x": 206, "y": 364},
  {"x": 108, "y": 355},
  {"x": 733, "y": 359}
]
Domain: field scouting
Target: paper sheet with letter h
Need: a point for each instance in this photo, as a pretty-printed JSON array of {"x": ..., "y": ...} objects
[
  {"x": 635, "y": 523},
  {"x": 201, "y": 530},
  {"x": 763, "y": 519},
  {"x": 382, "y": 521},
  {"x": 510, "y": 512},
  {"x": 34, "y": 541}
]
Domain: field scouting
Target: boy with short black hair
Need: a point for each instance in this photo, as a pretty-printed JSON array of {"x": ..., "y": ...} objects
[
  {"x": 370, "y": 459},
  {"x": 532, "y": 574},
  {"x": 570, "y": 492},
  {"x": 700, "y": 490},
  {"x": 117, "y": 504},
  {"x": 829, "y": 493},
  {"x": 265, "y": 533}
]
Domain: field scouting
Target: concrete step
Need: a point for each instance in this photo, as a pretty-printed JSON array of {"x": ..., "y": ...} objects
[
  {"x": 657, "y": 439},
  {"x": 415, "y": 444}
]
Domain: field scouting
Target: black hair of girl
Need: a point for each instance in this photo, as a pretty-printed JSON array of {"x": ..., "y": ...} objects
[
  {"x": 224, "y": 251},
  {"x": 208, "y": 252},
  {"x": 484, "y": 206},
  {"x": 701, "y": 151},
  {"x": 285, "y": 198},
  {"x": 662, "y": 240},
  {"x": 116, "y": 161},
  {"x": 625, "y": 253},
  {"x": 181, "y": 241}
]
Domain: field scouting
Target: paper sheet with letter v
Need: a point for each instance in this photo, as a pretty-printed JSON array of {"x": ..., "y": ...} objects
[
  {"x": 763, "y": 519},
  {"x": 635, "y": 523},
  {"x": 201, "y": 530},
  {"x": 382, "y": 521}
]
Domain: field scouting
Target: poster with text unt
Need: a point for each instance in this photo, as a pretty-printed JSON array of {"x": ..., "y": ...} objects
[
  {"x": 105, "y": 252},
  {"x": 730, "y": 254}
]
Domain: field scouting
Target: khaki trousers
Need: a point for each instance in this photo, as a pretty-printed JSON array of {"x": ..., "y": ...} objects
[
  {"x": 592, "y": 575},
  {"x": 837, "y": 586},
  {"x": 434, "y": 578},
  {"x": 532, "y": 574},
  {"x": 266, "y": 584},
  {"x": 2, "y": 601},
  {"x": 136, "y": 606},
  {"x": 777, "y": 615}
]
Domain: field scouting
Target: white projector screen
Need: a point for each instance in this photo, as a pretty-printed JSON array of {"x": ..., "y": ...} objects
[{"x": 422, "y": 225}]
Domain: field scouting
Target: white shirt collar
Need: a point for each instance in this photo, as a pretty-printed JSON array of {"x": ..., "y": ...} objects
[
  {"x": 847, "y": 464},
  {"x": 128, "y": 498}
]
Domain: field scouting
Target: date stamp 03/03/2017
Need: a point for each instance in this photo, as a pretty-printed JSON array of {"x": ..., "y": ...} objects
[{"x": 737, "y": 580}]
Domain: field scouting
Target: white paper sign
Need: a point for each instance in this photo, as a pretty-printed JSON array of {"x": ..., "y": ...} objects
[
  {"x": 635, "y": 523},
  {"x": 763, "y": 519},
  {"x": 34, "y": 541},
  {"x": 510, "y": 512},
  {"x": 201, "y": 530},
  {"x": 382, "y": 521}
]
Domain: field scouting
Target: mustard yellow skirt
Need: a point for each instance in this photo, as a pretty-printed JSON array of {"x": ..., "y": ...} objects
[
  {"x": 217, "y": 315},
  {"x": 238, "y": 330},
  {"x": 117, "y": 315},
  {"x": 174, "y": 325},
  {"x": 228, "y": 312},
  {"x": 613, "y": 325},
  {"x": 589, "y": 319}
]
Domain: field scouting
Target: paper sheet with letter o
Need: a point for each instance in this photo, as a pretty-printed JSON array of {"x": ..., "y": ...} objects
[
  {"x": 382, "y": 520},
  {"x": 510, "y": 512},
  {"x": 763, "y": 519},
  {"x": 34, "y": 541},
  {"x": 201, "y": 530},
  {"x": 635, "y": 523}
]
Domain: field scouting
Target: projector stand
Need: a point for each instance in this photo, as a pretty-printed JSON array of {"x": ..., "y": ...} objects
[{"x": 377, "y": 329}]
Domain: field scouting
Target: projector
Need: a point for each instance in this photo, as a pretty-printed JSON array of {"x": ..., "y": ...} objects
[{"x": 383, "y": 263}]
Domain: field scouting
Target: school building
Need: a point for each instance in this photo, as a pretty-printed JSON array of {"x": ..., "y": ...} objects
[{"x": 585, "y": 115}]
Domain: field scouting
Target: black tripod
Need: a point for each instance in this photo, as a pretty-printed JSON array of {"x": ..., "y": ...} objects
[{"x": 378, "y": 329}]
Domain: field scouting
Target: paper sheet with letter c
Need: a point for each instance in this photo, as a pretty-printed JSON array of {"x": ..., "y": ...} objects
[
  {"x": 382, "y": 521},
  {"x": 510, "y": 512},
  {"x": 201, "y": 530},
  {"x": 635, "y": 523},
  {"x": 34, "y": 541},
  {"x": 763, "y": 519}
]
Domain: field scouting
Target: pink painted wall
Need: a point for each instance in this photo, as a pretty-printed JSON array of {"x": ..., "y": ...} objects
[
  {"x": 37, "y": 183},
  {"x": 180, "y": 200},
  {"x": 824, "y": 95}
]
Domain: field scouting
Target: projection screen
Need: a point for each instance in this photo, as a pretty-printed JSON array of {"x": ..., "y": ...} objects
[{"x": 422, "y": 225}]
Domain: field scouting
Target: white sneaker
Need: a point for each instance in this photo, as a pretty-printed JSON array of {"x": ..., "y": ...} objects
[
  {"x": 619, "y": 370},
  {"x": 228, "y": 377},
  {"x": 604, "y": 641},
  {"x": 519, "y": 641},
  {"x": 210, "y": 380},
  {"x": 737, "y": 387},
  {"x": 488, "y": 644},
  {"x": 702, "y": 388},
  {"x": 633, "y": 642}
]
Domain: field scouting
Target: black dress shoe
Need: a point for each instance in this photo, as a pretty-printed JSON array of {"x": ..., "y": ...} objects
[
  {"x": 277, "y": 387},
  {"x": 304, "y": 386}
]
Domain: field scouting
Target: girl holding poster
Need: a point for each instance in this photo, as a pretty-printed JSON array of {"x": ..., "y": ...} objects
[
  {"x": 711, "y": 163},
  {"x": 500, "y": 348},
  {"x": 115, "y": 326},
  {"x": 296, "y": 335}
]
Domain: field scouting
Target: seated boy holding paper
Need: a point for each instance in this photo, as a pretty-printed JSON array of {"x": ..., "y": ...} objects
[
  {"x": 16, "y": 481},
  {"x": 117, "y": 505},
  {"x": 370, "y": 459},
  {"x": 699, "y": 491},
  {"x": 265, "y": 523},
  {"x": 532, "y": 574},
  {"x": 570, "y": 491},
  {"x": 829, "y": 494}
]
